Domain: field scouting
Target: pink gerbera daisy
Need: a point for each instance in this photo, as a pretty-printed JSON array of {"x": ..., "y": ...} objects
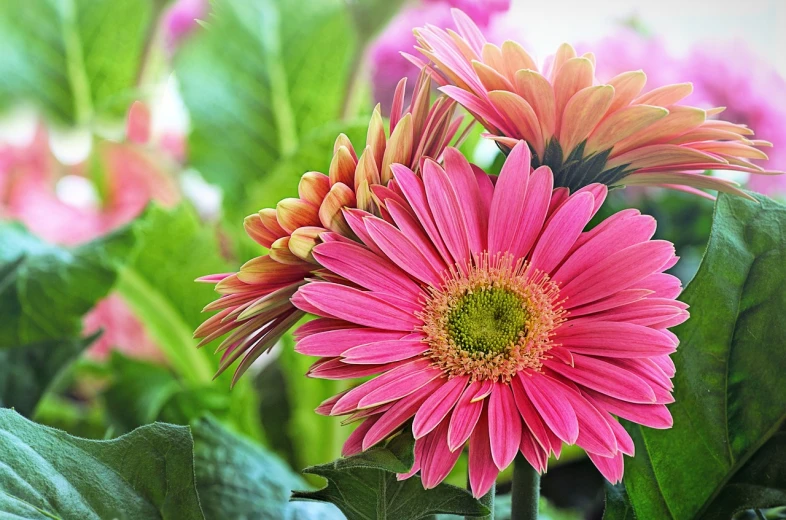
[
  {"x": 487, "y": 316},
  {"x": 585, "y": 131}
]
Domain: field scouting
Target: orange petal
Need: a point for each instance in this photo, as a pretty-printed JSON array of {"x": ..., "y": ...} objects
[
  {"x": 621, "y": 124},
  {"x": 582, "y": 113},
  {"x": 537, "y": 91},
  {"x": 342, "y": 166},
  {"x": 666, "y": 95},
  {"x": 680, "y": 119},
  {"x": 522, "y": 115},
  {"x": 303, "y": 241},
  {"x": 269, "y": 218},
  {"x": 343, "y": 140},
  {"x": 463, "y": 46},
  {"x": 706, "y": 134},
  {"x": 729, "y": 127},
  {"x": 367, "y": 169},
  {"x": 684, "y": 179},
  {"x": 313, "y": 187},
  {"x": 399, "y": 148},
  {"x": 515, "y": 58},
  {"x": 564, "y": 53},
  {"x": 731, "y": 148},
  {"x": 574, "y": 75},
  {"x": 263, "y": 270},
  {"x": 257, "y": 230},
  {"x": 330, "y": 215},
  {"x": 280, "y": 252},
  {"x": 627, "y": 86},
  {"x": 661, "y": 155},
  {"x": 375, "y": 138},
  {"x": 492, "y": 56},
  {"x": 365, "y": 199},
  {"x": 293, "y": 213},
  {"x": 491, "y": 79}
]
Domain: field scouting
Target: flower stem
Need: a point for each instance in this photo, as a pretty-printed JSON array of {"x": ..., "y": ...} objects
[{"x": 526, "y": 490}]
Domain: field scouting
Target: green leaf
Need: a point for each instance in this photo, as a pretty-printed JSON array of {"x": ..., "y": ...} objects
[
  {"x": 49, "y": 288},
  {"x": 74, "y": 59},
  {"x": 724, "y": 450},
  {"x": 259, "y": 79},
  {"x": 238, "y": 479},
  {"x": 45, "y": 291},
  {"x": 27, "y": 371},
  {"x": 365, "y": 486},
  {"x": 48, "y": 474},
  {"x": 174, "y": 249}
]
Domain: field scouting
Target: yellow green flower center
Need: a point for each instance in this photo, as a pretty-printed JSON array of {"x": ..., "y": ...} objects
[
  {"x": 491, "y": 320},
  {"x": 487, "y": 321}
]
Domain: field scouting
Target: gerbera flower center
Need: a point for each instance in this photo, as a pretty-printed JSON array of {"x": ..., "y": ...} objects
[
  {"x": 488, "y": 320},
  {"x": 492, "y": 319}
]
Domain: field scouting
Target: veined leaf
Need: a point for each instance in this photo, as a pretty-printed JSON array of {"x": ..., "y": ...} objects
[
  {"x": 48, "y": 474},
  {"x": 74, "y": 59},
  {"x": 725, "y": 452},
  {"x": 238, "y": 479},
  {"x": 364, "y": 487},
  {"x": 45, "y": 291},
  {"x": 258, "y": 79}
]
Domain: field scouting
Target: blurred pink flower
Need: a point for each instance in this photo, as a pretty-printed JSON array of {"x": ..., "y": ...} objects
[
  {"x": 387, "y": 64},
  {"x": 753, "y": 93},
  {"x": 181, "y": 18},
  {"x": 60, "y": 204},
  {"x": 729, "y": 75}
]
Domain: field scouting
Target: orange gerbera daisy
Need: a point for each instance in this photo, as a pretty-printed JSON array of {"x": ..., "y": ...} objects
[{"x": 585, "y": 131}]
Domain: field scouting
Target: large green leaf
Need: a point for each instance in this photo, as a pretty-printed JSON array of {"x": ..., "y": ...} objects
[
  {"x": 259, "y": 78},
  {"x": 174, "y": 249},
  {"x": 724, "y": 452},
  {"x": 45, "y": 291},
  {"x": 28, "y": 370},
  {"x": 48, "y": 474},
  {"x": 75, "y": 59},
  {"x": 238, "y": 479},
  {"x": 364, "y": 486}
]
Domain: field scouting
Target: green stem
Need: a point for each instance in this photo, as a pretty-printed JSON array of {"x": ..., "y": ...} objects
[
  {"x": 166, "y": 326},
  {"x": 526, "y": 490}
]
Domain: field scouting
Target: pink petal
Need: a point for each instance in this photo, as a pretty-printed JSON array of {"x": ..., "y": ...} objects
[
  {"x": 611, "y": 302},
  {"x": 357, "y": 306},
  {"x": 482, "y": 470},
  {"x": 398, "y": 414},
  {"x": 438, "y": 405},
  {"x": 335, "y": 369},
  {"x": 504, "y": 425},
  {"x": 616, "y": 233},
  {"x": 551, "y": 400},
  {"x": 446, "y": 210},
  {"x": 539, "y": 193},
  {"x": 486, "y": 188},
  {"x": 403, "y": 253},
  {"x": 401, "y": 387},
  {"x": 617, "y": 272},
  {"x": 666, "y": 364},
  {"x": 613, "y": 339},
  {"x": 350, "y": 401},
  {"x": 595, "y": 434},
  {"x": 508, "y": 205},
  {"x": 664, "y": 285},
  {"x": 651, "y": 415},
  {"x": 354, "y": 218},
  {"x": 561, "y": 232},
  {"x": 385, "y": 351},
  {"x": 465, "y": 416},
  {"x": 610, "y": 467},
  {"x": 469, "y": 197},
  {"x": 415, "y": 192},
  {"x": 409, "y": 225},
  {"x": 333, "y": 342},
  {"x": 354, "y": 443},
  {"x": 533, "y": 452},
  {"x": 359, "y": 265},
  {"x": 624, "y": 441},
  {"x": 319, "y": 325},
  {"x": 530, "y": 416},
  {"x": 605, "y": 377},
  {"x": 436, "y": 460}
]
